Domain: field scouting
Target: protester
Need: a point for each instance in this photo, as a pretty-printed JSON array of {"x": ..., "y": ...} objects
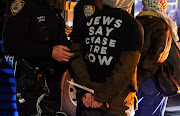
[
  {"x": 159, "y": 30},
  {"x": 106, "y": 57}
]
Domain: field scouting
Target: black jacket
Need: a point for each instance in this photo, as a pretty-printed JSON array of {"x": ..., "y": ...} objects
[
  {"x": 33, "y": 31},
  {"x": 157, "y": 42}
]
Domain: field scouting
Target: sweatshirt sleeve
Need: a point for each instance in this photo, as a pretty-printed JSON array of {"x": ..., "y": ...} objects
[
  {"x": 79, "y": 67},
  {"x": 120, "y": 78},
  {"x": 118, "y": 81}
]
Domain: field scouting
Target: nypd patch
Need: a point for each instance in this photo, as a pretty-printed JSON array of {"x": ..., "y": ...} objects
[
  {"x": 16, "y": 6},
  {"x": 89, "y": 10}
]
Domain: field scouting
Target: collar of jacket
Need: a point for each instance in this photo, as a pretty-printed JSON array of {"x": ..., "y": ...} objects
[{"x": 147, "y": 13}]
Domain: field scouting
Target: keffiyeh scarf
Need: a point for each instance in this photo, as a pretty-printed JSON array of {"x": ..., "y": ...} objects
[{"x": 159, "y": 7}]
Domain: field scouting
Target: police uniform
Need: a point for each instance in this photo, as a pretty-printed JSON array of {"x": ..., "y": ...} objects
[{"x": 32, "y": 28}]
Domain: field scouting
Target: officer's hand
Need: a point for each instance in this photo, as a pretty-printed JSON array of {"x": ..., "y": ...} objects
[
  {"x": 87, "y": 99},
  {"x": 61, "y": 53}
]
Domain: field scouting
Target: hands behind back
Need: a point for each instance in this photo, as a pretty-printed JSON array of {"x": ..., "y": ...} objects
[
  {"x": 61, "y": 53},
  {"x": 89, "y": 101}
]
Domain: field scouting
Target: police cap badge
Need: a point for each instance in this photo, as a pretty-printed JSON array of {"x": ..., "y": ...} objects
[
  {"x": 89, "y": 10},
  {"x": 16, "y": 6}
]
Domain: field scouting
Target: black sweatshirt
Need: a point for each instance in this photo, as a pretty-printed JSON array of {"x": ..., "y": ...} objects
[
  {"x": 112, "y": 43},
  {"x": 110, "y": 32}
]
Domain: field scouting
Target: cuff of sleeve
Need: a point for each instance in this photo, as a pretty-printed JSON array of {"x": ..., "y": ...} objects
[
  {"x": 103, "y": 93},
  {"x": 49, "y": 52}
]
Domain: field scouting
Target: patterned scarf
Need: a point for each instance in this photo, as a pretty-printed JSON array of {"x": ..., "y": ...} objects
[
  {"x": 123, "y": 4},
  {"x": 159, "y": 7}
]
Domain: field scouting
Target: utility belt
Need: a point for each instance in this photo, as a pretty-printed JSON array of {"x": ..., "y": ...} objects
[{"x": 33, "y": 76}]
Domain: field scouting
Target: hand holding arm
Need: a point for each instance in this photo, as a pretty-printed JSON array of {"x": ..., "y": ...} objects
[
  {"x": 89, "y": 101},
  {"x": 61, "y": 53}
]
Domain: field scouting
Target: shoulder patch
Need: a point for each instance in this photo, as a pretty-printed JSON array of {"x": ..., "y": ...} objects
[
  {"x": 16, "y": 6},
  {"x": 89, "y": 10}
]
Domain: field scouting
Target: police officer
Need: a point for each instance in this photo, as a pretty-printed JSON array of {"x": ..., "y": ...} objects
[
  {"x": 159, "y": 30},
  {"x": 34, "y": 33}
]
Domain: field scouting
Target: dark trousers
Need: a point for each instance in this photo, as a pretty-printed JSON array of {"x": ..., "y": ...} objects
[
  {"x": 27, "y": 100},
  {"x": 150, "y": 101}
]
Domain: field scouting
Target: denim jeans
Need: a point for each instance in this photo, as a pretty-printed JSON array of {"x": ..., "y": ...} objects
[{"x": 150, "y": 101}]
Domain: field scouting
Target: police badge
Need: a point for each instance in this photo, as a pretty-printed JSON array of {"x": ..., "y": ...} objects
[
  {"x": 89, "y": 10},
  {"x": 16, "y": 6}
]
